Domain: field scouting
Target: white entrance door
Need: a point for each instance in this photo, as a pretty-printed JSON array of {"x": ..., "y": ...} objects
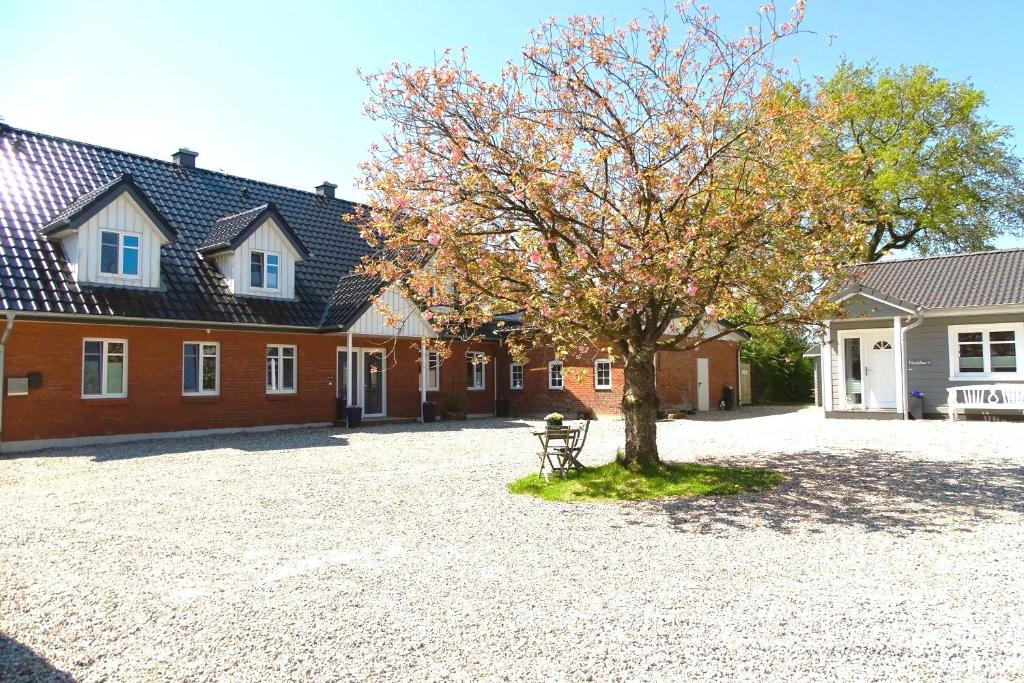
[
  {"x": 703, "y": 388},
  {"x": 879, "y": 371}
]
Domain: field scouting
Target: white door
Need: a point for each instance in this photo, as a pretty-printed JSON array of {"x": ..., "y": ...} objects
[
  {"x": 879, "y": 372},
  {"x": 703, "y": 390}
]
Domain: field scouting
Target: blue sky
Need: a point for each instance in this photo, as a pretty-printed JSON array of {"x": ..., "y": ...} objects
[{"x": 269, "y": 90}]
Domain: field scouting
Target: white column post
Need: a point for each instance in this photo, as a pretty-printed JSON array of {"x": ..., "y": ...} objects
[
  {"x": 351, "y": 371},
  {"x": 423, "y": 374},
  {"x": 897, "y": 345},
  {"x": 826, "y": 368}
]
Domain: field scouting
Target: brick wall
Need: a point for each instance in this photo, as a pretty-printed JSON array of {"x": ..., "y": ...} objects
[{"x": 676, "y": 377}]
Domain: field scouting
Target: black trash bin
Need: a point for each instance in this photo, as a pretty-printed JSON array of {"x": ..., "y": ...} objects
[
  {"x": 429, "y": 411},
  {"x": 501, "y": 407},
  {"x": 339, "y": 408},
  {"x": 727, "y": 396},
  {"x": 354, "y": 415}
]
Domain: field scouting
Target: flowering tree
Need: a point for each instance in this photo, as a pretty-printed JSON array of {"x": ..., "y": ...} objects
[{"x": 616, "y": 187}]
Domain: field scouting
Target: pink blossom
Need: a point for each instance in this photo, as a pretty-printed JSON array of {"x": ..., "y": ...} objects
[
  {"x": 434, "y": 238},
  {"x": 535, "y": 256},
  {"x": 711, "y": 310},
  {"x": 691, "y": 289}
]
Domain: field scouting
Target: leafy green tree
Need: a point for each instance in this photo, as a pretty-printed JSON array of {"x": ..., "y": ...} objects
[
  {"x": 777, "y": 355},
  {"x": 937, "y": 176}
]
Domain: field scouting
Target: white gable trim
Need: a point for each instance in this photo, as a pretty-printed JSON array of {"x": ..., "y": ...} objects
[
  {"x": 875, "y": 298},
  {"x": 412, "y": 324}
]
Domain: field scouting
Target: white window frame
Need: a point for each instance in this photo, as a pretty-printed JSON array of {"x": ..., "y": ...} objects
[
  {"x": 985, "y": 328},
  {"x": 479, "y": 370},
  {"x": 280, "y": 362},
  {"x": 103, "y": 368},
  {"x": 512, "y": 376},
  {"x": 561, "y": 375},
  {"x": 433, "y": 371},
  {"x": 121, "y": 234},
  {"x": 597, "y": 384},
  {"x": 266, "y": 254},
  {"x": 216, "y": 377}
]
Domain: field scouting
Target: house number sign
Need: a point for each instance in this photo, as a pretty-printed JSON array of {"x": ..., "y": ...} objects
[{"x": 915, "y": 363}]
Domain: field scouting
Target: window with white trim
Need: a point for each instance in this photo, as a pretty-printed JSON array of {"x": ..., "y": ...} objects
[
  {"x": 476, "y": 364},
  {"x": 119, "y": 253},
  {"x": 602, "y": 374},
  {"x": 985, "y": 351},
  {"x": 433, "y": 371},
  {"x": 264, "y": 270},
  {"x": 281, "y": 369},
  {"x": 515, "y": 376},
  {"x": 104, "y": 364},
  {"x": 555, "y": 378},
  {"x": 200, "y": 368}
]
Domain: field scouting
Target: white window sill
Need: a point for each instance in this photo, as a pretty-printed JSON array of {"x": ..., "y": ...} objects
[
  {"x": 515, "y": 388},
  {"x": 278, "y": 392},
  {"x": 555, "y": 388},
  {"x": 93, "y": 397},
  {"x": 607, "y": 388},
  {"x": 195, "y": 394},
  {"x": 1006, "y": 377},
  {"x": 475, "y": 388}
]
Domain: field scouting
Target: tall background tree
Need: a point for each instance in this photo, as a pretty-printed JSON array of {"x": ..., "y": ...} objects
[
  {"x": 619, "y": 187},
  {"x": 937, "y": 176}
]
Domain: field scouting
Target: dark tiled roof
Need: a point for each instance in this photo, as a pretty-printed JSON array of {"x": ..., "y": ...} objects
[
  {"x": 984, "y": 278},
  {"x": 230, "y": 231},
  {"x": 42, "y": 176},
  {"x": 350, "y": 298}
]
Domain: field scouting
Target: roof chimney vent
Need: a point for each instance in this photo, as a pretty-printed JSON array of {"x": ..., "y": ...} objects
[
  {"x": 326, "y": 189},
  {"x": 185, "y": 157}
]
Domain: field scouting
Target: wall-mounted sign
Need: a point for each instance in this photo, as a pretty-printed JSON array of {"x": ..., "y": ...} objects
[{"x": 915, "y": 363}]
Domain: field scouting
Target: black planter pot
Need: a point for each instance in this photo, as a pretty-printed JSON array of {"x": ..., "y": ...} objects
[
  {"x": 429, "y": 411},
  {"x": 916, "y": 408},
  {"x": 339, "y": 408},
  {"x": 354, "y": 415},
  {"x": 501, "y": 407}
]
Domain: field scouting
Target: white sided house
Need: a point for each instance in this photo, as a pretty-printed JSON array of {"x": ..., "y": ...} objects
[{"x": 933, "y": 337}]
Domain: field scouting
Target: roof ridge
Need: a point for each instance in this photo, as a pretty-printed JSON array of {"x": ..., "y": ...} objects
[
  {"x": 258, "y": 207},
  {"x": 5, "y": 128},
  {"x": 979, "y": 252}
]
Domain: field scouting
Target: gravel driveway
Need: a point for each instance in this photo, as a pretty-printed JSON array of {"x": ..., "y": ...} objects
[{"x": 893, "y": 551}]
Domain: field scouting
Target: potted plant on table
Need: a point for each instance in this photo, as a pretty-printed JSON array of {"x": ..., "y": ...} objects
[
  {"x": 554, "y": 419},
  {"x": 916, "y": 405}
]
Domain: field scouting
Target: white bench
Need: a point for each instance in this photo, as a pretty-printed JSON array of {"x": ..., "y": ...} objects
[{"x": 986, "y": 396}]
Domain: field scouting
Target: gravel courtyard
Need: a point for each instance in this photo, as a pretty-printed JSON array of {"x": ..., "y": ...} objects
[{"x": 893, "y": 551}]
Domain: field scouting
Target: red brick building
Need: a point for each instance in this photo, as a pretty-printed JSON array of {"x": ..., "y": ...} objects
[{"x": 147, "y": 297}]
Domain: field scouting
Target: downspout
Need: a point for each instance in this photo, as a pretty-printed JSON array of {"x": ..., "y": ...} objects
[
  {"x": 3, "y": 348},
  {"x": 918, "y": 319}
]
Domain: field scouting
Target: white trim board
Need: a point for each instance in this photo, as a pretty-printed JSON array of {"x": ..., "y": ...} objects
[
  {"x": 104, "y": 439},
  {"x": 875, "y": 298}
]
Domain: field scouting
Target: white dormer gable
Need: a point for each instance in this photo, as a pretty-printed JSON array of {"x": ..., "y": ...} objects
[
  {"x": 112, "y": 236},
  {"x": 256, "y": 252},
  {"x": 411, "y": 322},
  {"x": 274, "y": 253}
]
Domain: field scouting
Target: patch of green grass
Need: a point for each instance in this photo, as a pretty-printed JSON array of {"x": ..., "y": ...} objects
[{"x": 677, "y": 480}]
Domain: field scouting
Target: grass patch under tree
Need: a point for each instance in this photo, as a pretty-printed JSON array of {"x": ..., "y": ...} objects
[{"x": 676, "y": 480}]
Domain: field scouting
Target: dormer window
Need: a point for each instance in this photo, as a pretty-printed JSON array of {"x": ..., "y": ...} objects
[
  {"x": 119, "y": 253},
  {"x": 264, "y": 268}
]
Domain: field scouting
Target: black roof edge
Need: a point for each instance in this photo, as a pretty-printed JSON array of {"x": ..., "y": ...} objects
[{"x": 124, "y": 183}]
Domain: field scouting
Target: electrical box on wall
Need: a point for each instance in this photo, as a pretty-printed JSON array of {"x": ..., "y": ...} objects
[{"x": 17, "y": 386}]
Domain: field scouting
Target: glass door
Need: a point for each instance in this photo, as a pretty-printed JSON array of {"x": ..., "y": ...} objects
[
  {"x": 342, "y": 375},
  {"x": 373, "y": 382}
]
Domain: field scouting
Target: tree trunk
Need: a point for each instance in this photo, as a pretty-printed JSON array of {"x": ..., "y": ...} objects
[{"x": 640, "y": 409}]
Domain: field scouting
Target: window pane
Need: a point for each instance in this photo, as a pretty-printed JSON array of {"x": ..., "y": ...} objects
[
  {"x": 190, "y": 368},
  {"x": 1004, "y": 357},
  {"x": 288, "y": 373},
  {"x": 288, "y": 352},
  {"x": 1001, "y": 336},
  {"x": 209, "y": 373},
  {"x": 271, "y": 372},
  {"x": 92, "y": 383},
  {"x": 130, "y": 266},
  {"x": 115, "y": 347},
  {"x": 969, "y": 337},
  {"x": 470, "y": 371},
  {"x": 115, "y": 373},
  {"x": 971, "y": 358},
  {"x": 256, "y": 269},
  {"x": 271, "y": 271},
  {"x": 108, "y": 253}
]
